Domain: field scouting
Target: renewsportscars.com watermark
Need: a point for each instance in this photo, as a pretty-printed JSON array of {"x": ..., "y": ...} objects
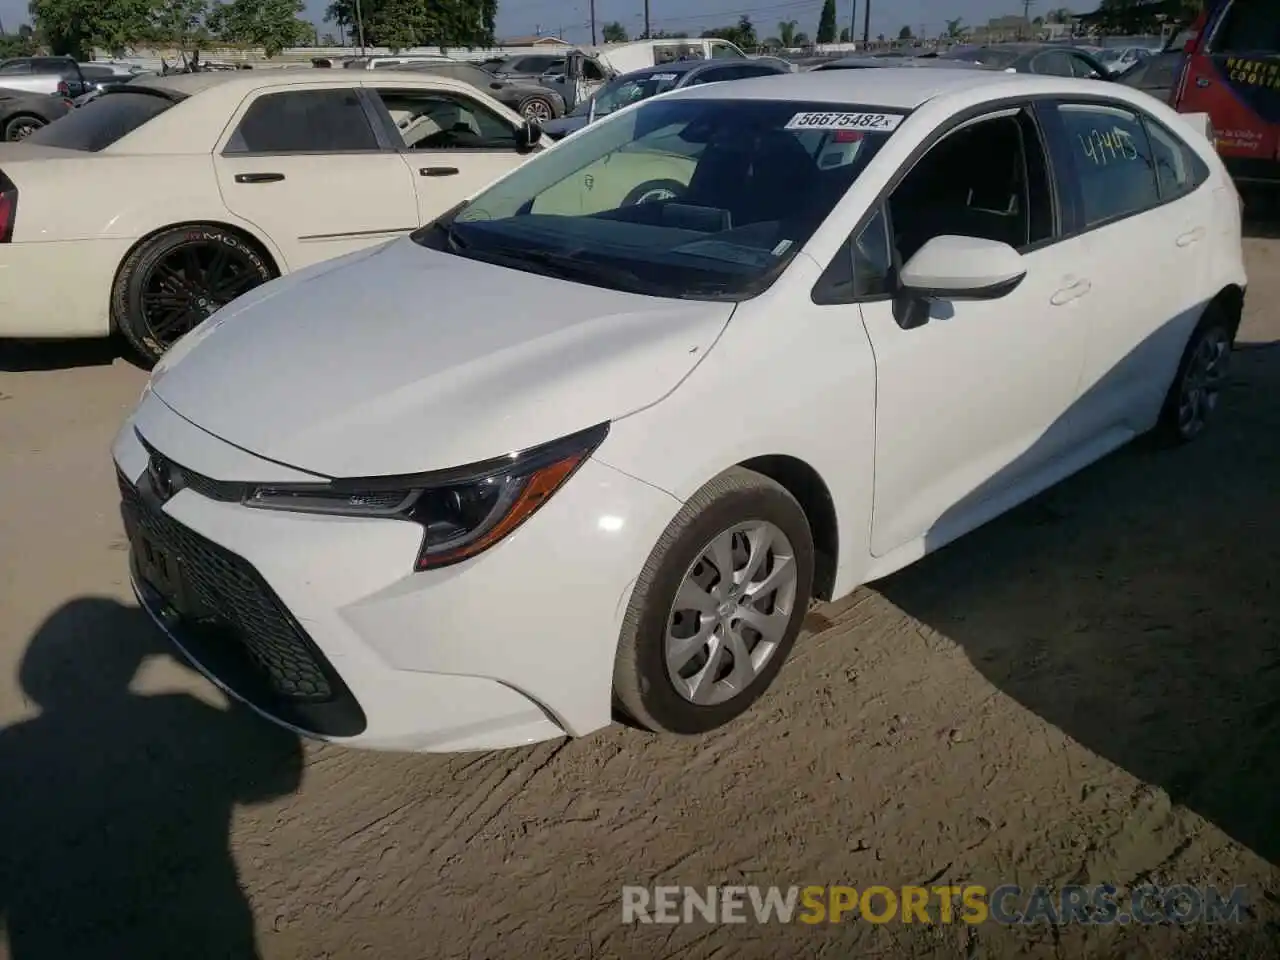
[{"x": 970, "y": 904}]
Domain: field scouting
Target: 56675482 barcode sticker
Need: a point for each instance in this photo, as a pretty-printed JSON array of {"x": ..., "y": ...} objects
[{"x": 845, "y": 121}]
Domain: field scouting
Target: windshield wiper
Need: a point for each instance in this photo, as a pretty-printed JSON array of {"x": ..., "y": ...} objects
[{"x": 568, "y": 267}]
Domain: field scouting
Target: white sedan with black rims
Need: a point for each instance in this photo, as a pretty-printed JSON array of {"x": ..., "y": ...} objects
[
  {"x": 556, "y": 455},
  {"x": 156, "y": 202}
]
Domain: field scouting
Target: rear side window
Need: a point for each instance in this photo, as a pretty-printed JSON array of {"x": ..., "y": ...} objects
[
  {"x": 1112, "y": 158},
  {"x": 102, "y": 121},
  {"x": 1249, "y": 26},
  {"x": 307, "y": 121},
  {"x": 16, "y": 66},
  {"x": 1178, "y": 169}
]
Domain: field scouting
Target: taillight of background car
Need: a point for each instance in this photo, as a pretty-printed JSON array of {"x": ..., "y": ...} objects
[{"x": 8, "y": 208}]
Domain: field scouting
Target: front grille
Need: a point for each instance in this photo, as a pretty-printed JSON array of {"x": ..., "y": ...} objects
[{"x": 237, "y": 596}]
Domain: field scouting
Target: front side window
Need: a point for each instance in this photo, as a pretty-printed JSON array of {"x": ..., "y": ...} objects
[
  {"x": 102, "y": 121},
  {"x": 437, "y": 121},
  {"x": 1112, "y": 158},
  {"x": 695, "y": 198},
  {"x": 304, "y": 121},
  {"x": 1249, "y": 26},
  {"x": 16, "y": 66}
]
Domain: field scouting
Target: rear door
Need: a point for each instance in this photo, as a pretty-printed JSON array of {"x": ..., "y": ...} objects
[
  {"x": 310, "y": 168},
  {"x": 451, "y": 144},
  {"x": 1234, "y": 76}
]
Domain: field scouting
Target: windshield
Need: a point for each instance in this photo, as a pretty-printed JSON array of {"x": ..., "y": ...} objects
[
  {"x": 987, "y": 56},
  {"x": 102, "y": 121},
  {"x": 625, "y": 91},
  {"x": 694, "y": 198}
]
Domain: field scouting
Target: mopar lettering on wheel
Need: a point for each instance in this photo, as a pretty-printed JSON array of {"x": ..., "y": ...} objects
[{"x": 175, "y": 280}]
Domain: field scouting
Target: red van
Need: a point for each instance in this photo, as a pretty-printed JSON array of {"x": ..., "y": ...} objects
[{"x": 1232, "y": 73}]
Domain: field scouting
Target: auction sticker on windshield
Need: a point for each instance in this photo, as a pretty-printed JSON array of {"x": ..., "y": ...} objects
[{"x": 844, "y": 121}]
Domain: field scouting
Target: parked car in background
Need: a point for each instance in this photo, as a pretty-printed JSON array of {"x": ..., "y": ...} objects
[
  {"x": 1046, "y": 59},
  {"x": 174, "y": 195},
  {"x": 527, "y": 65},
  {"x": 1119, "y": 60},
  {"x": 871, "y": 62},
  {"x": 642, "y": 84},
  {"x": 22, "y": 113},
  {"x": 53, "y": 75},
  {"x": 525, "y": 96},
  {"x": 1232, "y": 73},
  {"x": 391, "y": 63},
  {"x": 1156, "y": 75},
  {"x": 551, "y": 457}
]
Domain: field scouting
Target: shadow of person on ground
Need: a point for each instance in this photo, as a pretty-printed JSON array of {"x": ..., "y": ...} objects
[
  {"x": 1136, "y": 607},
  {"x": 115, "y": 807}
]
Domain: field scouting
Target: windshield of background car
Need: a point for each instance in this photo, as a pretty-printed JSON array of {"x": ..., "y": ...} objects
[
  {"x": 683, "y": 197},
  {"x": 102, "y": 121},
  {"x": 626, "y": 91}
]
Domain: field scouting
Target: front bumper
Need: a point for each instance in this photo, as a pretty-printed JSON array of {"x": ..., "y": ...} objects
[{"x": 512, "y": 647}]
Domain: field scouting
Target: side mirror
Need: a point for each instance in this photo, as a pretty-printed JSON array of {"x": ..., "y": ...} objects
[
  {"x": 527, "y": 136},
  {"x": 950, "y": 268}
]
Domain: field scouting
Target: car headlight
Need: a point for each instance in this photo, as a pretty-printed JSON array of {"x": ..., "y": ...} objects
[{"x": 462, "y": 511}]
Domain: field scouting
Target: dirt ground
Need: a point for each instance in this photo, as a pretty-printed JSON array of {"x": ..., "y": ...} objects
[{"x": 1087, "y": 690}]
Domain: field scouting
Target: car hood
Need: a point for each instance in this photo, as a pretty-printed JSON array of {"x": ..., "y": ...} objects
[{"x": 402, "y": 359}]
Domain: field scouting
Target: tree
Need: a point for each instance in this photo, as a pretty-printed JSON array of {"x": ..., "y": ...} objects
[
  {"x": 743, "y": 33},
  {"x": 802, "y": 39},
  {"x": 787, "y": 33},
  {"x": 905, "y": 34},
  {"x": 827, "y": 22},
  {"x": 955, "y": 29},
  {"x": 846, "y": 35},
  {"x": 75, "y": 27},
  {"x": 16, "y": 45},
  {"x": 615, "y": 33},
  {"x": 181, "y": 23},
  {"x": 343, "y": 14},
  {"x": 269, "y": 24}
]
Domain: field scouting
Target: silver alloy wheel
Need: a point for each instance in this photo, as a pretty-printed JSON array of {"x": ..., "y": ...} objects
[
  {"x": 656, "y": 195},
  {"x": 537, "y": 109},
  {"x": 23, "y": 128},
  {"x": 1202, "y": 381},
  {"x": 730, "y": 612}
]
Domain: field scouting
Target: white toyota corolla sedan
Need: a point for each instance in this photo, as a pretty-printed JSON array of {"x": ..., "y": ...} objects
[{"x": 561, "y": 453}]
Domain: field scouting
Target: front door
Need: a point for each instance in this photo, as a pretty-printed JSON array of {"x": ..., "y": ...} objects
[
  {"x": 307, "y": 169},
  {"x": 973, "y": 408},
  {"x": 453, "y": 145}
]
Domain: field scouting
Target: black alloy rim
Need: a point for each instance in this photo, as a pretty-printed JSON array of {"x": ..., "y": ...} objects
[{"x": 189, "y": 284}]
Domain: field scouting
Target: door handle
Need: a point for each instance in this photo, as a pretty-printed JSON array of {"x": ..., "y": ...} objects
[
  {"x": 1074, "y": 292},
  {"x": 1191, "y": 236},
  {"x": 437, "y": 171},
  {"x": 258, "y": 177}
]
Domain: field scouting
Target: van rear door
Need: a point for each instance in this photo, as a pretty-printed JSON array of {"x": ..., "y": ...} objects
[{"x": 1233, "y": 74}]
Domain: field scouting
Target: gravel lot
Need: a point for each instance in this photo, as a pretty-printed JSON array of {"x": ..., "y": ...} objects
[{"x": 1087, "y": 690}]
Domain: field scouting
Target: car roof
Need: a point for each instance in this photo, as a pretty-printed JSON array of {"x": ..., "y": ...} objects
[
  {"x": 891, "y": 87},
  {"x": 871, "y": 62}
]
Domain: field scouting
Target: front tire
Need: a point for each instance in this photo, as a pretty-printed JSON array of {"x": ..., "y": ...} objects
[
  {"x": 19, "y": 128},
  {"x": 538, "y": 108},
  {"x": 172, "y": 282},
  {"x": 717, "y": 608},
  {"x": 1196, "y": 389}
]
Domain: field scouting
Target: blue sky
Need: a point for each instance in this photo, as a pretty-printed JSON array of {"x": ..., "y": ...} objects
[{"x": 518, "y": 17}]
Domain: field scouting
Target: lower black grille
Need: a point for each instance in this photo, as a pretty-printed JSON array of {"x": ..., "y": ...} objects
[{"x": 235, "y": 594}]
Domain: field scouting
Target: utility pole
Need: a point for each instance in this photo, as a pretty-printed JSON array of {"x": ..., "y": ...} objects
[
  {"x": 853, "y": 21},
  {"x": 1026, "y": 16},
  {"x": 866, "y": 21},
  {"x": 593, "y": 24},
  {"x": 360, "y": 27},
  {"x": 646, "y": 20}
]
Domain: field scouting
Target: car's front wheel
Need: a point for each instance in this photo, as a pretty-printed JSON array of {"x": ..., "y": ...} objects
[
  {"x": 717, "y": 607},
  {"x": 19, "y": 128},
  {"x": 537, "y": 108},
  {"x": 1197, "y": 387}
]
